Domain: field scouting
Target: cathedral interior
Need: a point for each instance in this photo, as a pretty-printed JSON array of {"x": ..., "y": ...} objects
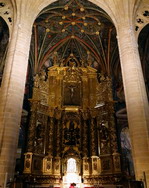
[{"x": 74, "y": 127}]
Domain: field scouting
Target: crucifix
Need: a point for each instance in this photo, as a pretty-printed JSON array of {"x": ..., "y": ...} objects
[{"x": 72, "y": 91}]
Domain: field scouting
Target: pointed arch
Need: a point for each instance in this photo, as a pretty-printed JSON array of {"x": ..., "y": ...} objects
[{"x": 4, "y": 38}]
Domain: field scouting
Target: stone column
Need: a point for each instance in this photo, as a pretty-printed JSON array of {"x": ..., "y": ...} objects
[
  {"x": 136, "y": 99},
  {"x": 11, "y": 96}
]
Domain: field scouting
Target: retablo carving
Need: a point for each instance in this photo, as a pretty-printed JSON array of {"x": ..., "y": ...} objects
[{"x": 72, "y": 118}]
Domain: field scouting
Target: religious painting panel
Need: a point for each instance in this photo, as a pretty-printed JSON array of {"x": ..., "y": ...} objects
[{"x": 72, "y": 94}]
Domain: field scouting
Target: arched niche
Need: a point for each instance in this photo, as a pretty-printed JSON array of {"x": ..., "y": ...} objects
[
  {"x": 143, "y": 42},
  {"x": 71, "y": 167},
  {"x": 103, "y": 5},
  {"x": 71, "y": 157},
  {"x": 4, "y": 37}
]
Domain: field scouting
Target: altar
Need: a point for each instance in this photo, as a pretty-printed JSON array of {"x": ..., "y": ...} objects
[{"x": 71, "y": 135}]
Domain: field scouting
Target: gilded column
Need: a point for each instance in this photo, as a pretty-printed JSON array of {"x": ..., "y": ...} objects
[
  {"x": 58, "y": 139},
  {"x": 57, "y": 159},
  {"x": 93, "y": 148},
  {"x": 112, "y": 128},
  {"x": 85, "y": 149},
  {"x": 85, "y": 139},
  {"x": 113, "y": 141},
  {"x": 93, "y": 144},
  {"x": 50, "y": 144},
  {"x": 110, "y": 117},
  {"x": 32, "y": 127},
  {"x": 62, "y": 137},
  {"x": 31, "y": 138}
]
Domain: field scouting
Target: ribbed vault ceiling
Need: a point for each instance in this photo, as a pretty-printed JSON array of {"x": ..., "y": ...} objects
[{"x": 76, "y": 28}]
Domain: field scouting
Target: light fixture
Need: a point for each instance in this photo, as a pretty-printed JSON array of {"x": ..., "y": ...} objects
[
  {"x": 73, "y": 23},
  {"x": 66, "y": 7},
  {"x": 61, "y": 23},
  {"x": 47, "y": 30},
  {"x": 81, "y": 9}
]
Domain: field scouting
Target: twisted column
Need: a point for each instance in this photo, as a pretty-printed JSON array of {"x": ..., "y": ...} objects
[
  {"x": 50, "y": 145},
  {"x": 58, "y": 138},
  {"x": 85, "y": 139},
  {"x": 32, "y": 127},
  {"x": 93, "y": 144}
]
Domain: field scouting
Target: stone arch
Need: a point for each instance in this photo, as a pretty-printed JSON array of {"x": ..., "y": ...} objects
[
  {"x": 111, "y": 11},
  {"x": 142, "y": 18},
  {"x": 102, "y": 4},
  {"x": 4, "y": 37},
  {"x": 144, "y": 24},
  {"x": 143, "y": 42},
  {"x": 6, "y": 12}
]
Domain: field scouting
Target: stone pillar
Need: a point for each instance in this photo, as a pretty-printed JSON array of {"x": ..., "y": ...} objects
[
  {"x": 11, "y": 96},
  {"x": 136, "y": 99}
]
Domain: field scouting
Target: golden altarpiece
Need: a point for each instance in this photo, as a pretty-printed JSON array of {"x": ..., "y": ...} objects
[{"x": 72, "y": 128}]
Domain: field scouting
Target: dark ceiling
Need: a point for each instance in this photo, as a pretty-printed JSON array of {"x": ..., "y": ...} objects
[{"x": 74, "y": 28}]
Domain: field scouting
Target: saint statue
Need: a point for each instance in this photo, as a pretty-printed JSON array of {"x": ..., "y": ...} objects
[
  {"x": 55, "y": 59},
  {"x": 36, "y": 80}
]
